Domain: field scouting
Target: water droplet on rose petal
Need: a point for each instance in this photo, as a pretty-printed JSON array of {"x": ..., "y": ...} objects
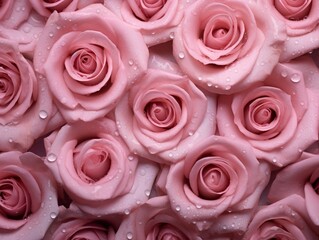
[
  {"x": 51, "y": 34},
  {"x": 209, "y": 84},
  {"x": 274, "y": 160},
  {"x": 181, "y": 55},
  {"x": 129, "y": 235},
  {"x": 126, "y": 211},
  {"x": 177, "y": 208},
  {"x": 130, "y": 158},
  {"x": 53, "y": 215},
  {"x": 198, "y": 206},
  {"x": 172, "y": 35},
  {"x": 130, "y": 62},
  {"x": 295, "y": 77},
  {"x": 43, "y": 114},
  {"x": 147, "y": 193},
  {"x": 284, "y": 74},
  {"x": 51, "y": 157},
  {"x": 10, "y": 140},
  {"x": 63, "y": 230}
]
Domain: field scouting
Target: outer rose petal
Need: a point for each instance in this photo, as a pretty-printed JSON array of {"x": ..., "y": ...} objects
[
  {"x": 295, "y": 80},
  {"x": 155, "y": 213},
  {"x": 241, "y": 192},
  {"x": 286, "y": 216},
  {"x": 121, "y": 179},
  {"x": 108, "y": 33},
  {"x": 260, "y": 52},
  {"x": 25, "y": 117},
  {"x": 45, "y": 206},
  {"x": 157, "y": 28},
  {"x": 302, "y": 33}
]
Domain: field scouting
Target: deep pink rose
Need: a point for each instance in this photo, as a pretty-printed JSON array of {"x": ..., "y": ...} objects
[
  {"x": 20, "y": 24},
  {"x": 89, "y": 60},
  {"x": 285, "y": 219},
  {"x": 156, "y": 20},
  {"x": 46, "y": 7},
  {"x": 96, "y": 169},
  {"x": 154, "y": 220},
  {"x": 226, "y": 46},
  {"x": 278, "y": 118},
  {"x": 164, "y": 115},
  {"x": 300, "y": 178},
  {"x": 25, "y": 103},
  {"x": 218, "y": 175},
  {"x": 302, "y": 23},
  {"x": 72, "y": 224},
  {"x": 28, "y": 198}
]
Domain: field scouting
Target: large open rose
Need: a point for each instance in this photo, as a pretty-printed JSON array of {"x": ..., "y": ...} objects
[
  {"x": 96, "y": 169},
  {"x": 89, "y": 60},
  {"x": 156, "y": 20},
  {"x": 285, "y": 219},
  {"x": 217, "y": 175},
  {"x": 160, "y": 116},
  {"x": 28, "y": 197},
  {"x": 25, "y": 102},
  {"x": 302, "y": 23},
  {"x": 278, "y": 118},
  {"x": 226, "y": 46}
]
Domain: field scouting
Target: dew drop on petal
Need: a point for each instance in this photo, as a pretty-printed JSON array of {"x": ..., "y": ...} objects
[
  {"x": 295, "y": 77},
  {"x": 51, "y": 157},
  {"x": 129, "y": 235},
  {"x": 53, "y": 215},
  {"x": 43, "y": 114},
  {"x": 177, "y": 208},
  {"x": 181, "y": 55},
  {"x": 147, "y": 193}
]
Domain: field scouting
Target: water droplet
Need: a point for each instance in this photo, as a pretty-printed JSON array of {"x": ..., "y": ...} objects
[
  {"x": 172, "y": 35},
  {"x": 130, "y": 62},
  {"x": 147, "y": 193},
  {"x": 209, "y": 84},
  {"x": 51, "y": 157},
  {"x": 63, "y": 230},
  {"x": 130, "y": 158},
  {"x": 198, "y": 206},
  {"x": 178, "y": 208},
  {"x": 116, "y": 133},
  {"x": 142, "y": 172},
  {"x": 43, "y": 114},
  {"x": 295, "y": 77},
  {"x": 190, "y": 133},
  {"x": 170, "y": 155},
  {"x": 227, "y": 79},
  {"x": 10, "y": 140},
  {"x": 200, "y": 78},
  {"x": 129, "y": 235},
  {"x": 51, "y": 34},
  {"x": 284, "y": 74},
  {"x": 53, "y": 215},
  {"x": 181, "y": 55},
  {"x": 274, "y": 160},
  {"x": 126, "y": 211},
  {"x": 228, "y": 87}
]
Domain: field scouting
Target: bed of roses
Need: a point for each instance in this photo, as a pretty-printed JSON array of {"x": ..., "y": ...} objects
[{"x": 172, "y": 119}]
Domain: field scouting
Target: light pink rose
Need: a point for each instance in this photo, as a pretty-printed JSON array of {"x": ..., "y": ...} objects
[
  {"x": 72, "y": 224},
  {"x": 161, "y": 117},
  {"x": 218, "y": 175},
  {"x": 156, "y": 20},
  {"x": 86, "y": 58},
  {"x": 278, "y": 118},
  {"x": 25, "y": 103},
  {"x": 28, "y": 198},
  {"x": 155, "y": 220},
  {"x": 300, "y": 178},
  {"x": 302, "y": 23},
  {"x": 96, "y": 169},
  {"x": 285, "y": 219},
  {"x": 46, "y": 7},
  {"x": 226, "y": 46}
]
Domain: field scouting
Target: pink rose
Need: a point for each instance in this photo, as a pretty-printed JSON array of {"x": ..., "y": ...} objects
[
  {"x": 300, "y": 178},
  {"x": 217, "y": 175},
  {"x": 72, "y": 224},
  {"x": 156, "y": 20},
  {"x": 96, "y": 169},
  {"x": 285, "y": 219},
  {"x": 28, "y": 197},
  {"x": 302, "y": 23},
  {"x": 278, "y": 117},
  {"x": 26, "y": 105},
  {"x": 45, "y": 7},
  {"x": 160, "y": 116},
  {"x": 155, "y": 220},
  {"x": 20, "y": 24},
  {"x": 89, "y": 60},
  {"x": 226, "y": 46}
]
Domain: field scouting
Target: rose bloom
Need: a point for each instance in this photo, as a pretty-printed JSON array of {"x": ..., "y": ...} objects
[
  {"x": 285, "y": 219},
  {"x": 25, "y": 102},
  {"x": 300, "y": 178},
  {"x": 20, "y": 24},
  {"x": 95, "y": 168},
  {"x": 72, "y": 224},
  {"x": 156, "y": 20},
  {"x": 302, "y": 23},
  {"x": 155, "y": 220},
  {"x": 45, "y": 7},
  {"x": 226, "y": 46},
  {"x": 161, "y": 116},
  {"x": 218, "y": 175},
  {"x": 278, "y": 118},
  {"x": 28, "y": 197},
  {"x": 89, "y": 60}
]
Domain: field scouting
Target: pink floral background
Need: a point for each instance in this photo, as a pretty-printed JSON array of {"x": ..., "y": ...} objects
[{"x": 159, "y": 119}]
